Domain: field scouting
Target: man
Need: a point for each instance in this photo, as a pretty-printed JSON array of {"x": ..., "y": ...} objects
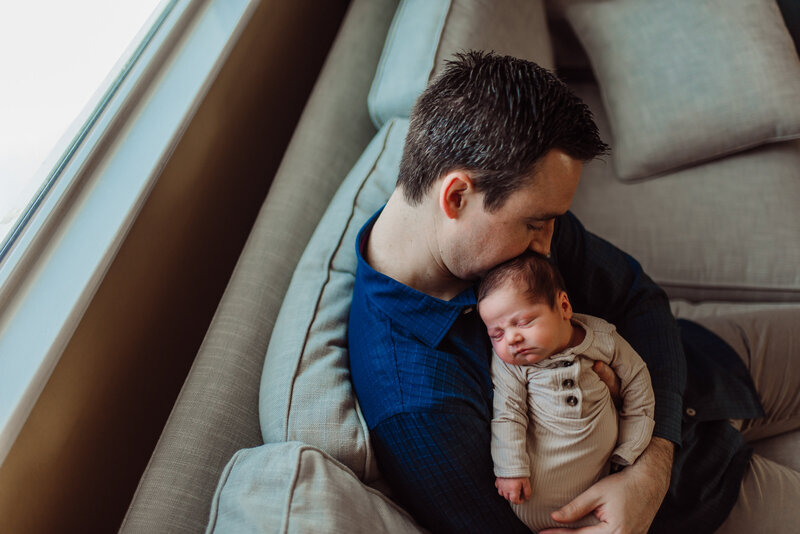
[{"x": 491, "y": 163}]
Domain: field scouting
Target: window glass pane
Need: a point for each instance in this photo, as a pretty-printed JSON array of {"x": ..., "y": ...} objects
[{"x": 56, "y": 58}]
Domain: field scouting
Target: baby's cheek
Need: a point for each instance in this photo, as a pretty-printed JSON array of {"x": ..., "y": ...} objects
[{"x": 502, "y": 351}]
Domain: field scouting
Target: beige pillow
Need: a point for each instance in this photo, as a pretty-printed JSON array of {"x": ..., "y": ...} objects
[
  {"x": 294, "y": 488},
  {"x": 688, "y": 81},
  {"x": 425, "y": 33},
  {"x": 306, "y": 394}
]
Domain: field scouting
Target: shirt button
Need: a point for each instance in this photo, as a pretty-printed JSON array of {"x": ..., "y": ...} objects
[
  {"x": 691, "y": 412},
  {"x": 568, "y": 383},
  {"x": 566, "y": 364},
  {"x": 572, "y": 401}
]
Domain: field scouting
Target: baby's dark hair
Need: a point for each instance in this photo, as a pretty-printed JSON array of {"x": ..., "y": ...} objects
[{"x": 538, "y": 278}]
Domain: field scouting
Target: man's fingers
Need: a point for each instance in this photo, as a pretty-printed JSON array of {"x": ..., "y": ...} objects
[
  {"x": 599, "y": 528},
  {"x": 609, "y": 378},
  {"x": 581, "y": 506}
]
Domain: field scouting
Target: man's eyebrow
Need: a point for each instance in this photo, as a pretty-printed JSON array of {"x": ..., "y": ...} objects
[{"x": 545, "y": 216}]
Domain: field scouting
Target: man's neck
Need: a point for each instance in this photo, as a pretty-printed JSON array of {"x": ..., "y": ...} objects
[{"x": 403, "y": 246}]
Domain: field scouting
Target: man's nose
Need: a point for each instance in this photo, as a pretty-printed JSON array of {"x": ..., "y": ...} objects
[{"x": 542, "y": 240}]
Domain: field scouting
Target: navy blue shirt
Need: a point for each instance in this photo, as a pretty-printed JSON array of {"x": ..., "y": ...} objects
[{"x": 420, "y": 369}]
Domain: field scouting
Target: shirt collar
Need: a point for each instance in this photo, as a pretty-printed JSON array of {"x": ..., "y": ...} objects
[{"x": 427, "y": 318}]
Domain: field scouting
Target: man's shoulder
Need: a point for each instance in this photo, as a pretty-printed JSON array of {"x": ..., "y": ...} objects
[{"x": 366, "y": 319}]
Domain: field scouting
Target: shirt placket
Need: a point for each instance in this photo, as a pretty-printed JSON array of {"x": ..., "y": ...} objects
[{"x": 569, "y": 397}]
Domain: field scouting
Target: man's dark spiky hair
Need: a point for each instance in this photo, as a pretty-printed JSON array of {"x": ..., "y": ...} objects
[{"x": 495, "y": 117}]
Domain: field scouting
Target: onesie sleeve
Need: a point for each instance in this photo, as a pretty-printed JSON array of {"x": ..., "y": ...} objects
[
  {"x": 638, "y": 402},
  {"x": 605, "y": 282},
  {"x": 510, "y": 421}
]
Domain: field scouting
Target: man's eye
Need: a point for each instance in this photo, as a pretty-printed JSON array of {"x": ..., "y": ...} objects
[{"x": 535, "y": 227}]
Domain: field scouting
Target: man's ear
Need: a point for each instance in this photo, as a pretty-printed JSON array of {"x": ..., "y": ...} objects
[
  {"x": 453, "y": 191},
  {"x": 564, "y": 305}
]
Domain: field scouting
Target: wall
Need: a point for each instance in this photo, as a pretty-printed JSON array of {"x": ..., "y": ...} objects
[{"x": 78, "y": 459}]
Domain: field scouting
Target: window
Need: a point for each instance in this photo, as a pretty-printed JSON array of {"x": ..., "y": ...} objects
[
  {"x": 122, "y": 141},
  {"x": 60, "y": 61}
]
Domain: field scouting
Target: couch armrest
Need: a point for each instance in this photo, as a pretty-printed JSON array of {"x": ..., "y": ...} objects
[{"x": 217, "y": 410}]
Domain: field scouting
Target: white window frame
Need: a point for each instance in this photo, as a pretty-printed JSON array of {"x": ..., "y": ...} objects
[{"x": 57, "y": 262}]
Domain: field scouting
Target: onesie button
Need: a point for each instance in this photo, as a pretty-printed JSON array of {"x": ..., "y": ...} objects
[
  {"x": 572, "y": 401},
  {"x": 568, "y": 383}
]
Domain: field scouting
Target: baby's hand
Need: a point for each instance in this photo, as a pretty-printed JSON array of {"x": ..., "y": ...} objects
[{"x": 514, "y": 490}]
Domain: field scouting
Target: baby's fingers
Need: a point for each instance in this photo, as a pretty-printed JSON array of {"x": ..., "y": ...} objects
[{"x": 526, "y": 490}]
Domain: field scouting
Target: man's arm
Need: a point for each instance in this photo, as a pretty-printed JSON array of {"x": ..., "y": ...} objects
[
  {"x": 604, "y": 281},
  {"x": 627, "y": 501},
  {"x": 447, "y": 483}
]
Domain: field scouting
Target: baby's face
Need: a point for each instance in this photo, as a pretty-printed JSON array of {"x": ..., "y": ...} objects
[{"x": 524, "y": 332}]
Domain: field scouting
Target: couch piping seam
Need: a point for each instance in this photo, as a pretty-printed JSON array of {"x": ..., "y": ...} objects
[{"x": 389, "y": 128}]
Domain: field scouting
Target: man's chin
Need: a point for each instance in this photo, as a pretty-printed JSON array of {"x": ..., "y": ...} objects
[{"x": 471, "y": 277}]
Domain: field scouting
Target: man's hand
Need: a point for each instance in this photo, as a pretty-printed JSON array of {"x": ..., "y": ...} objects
[
  {"x": 625, "y": 502},
  {"x": 514, "y": 490},
  {"x": 610, "y": 379}
]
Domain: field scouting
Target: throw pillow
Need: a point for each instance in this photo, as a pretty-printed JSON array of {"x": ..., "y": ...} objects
[
  {"x": 291, "y": 487},
  {"x": 426, "y": 33},
  {"x": 306, "y": 394},
  {"x": 687, "y": 81}
]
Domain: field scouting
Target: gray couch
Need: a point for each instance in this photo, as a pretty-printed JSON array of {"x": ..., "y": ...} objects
[{"x": 703, "y": 189}]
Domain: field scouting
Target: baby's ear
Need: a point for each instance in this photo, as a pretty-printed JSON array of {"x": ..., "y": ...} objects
[{"x": 564, "y": 305}]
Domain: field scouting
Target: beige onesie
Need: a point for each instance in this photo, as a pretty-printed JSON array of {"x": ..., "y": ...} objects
[{"x": 554, "y": 421}]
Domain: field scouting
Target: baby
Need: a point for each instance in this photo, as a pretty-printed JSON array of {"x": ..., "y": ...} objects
[{"x": 555, "y": 429}]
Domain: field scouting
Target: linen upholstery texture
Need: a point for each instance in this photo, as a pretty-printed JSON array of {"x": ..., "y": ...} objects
[
  {"x": 292, "y": 487},
  {"x": 725, "y": 230},
  {"x": 426, "y": 33},
  {"x": 212, "y": 418},
  {"x": 216, "y": 411},
  {"x": 508, "y": 27},
  {"x": 306, "y": 394},
  {"x": 688, "y": 81}
]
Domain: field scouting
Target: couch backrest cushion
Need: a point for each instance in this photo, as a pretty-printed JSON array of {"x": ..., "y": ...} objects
[
  {"x": 426, "y": 33},
  {"x": 685, "y": 82},
  {"x": 306, "y": 393},
  {"x": 728, "y": 229},
  {"x": 294, "y": 488}
]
